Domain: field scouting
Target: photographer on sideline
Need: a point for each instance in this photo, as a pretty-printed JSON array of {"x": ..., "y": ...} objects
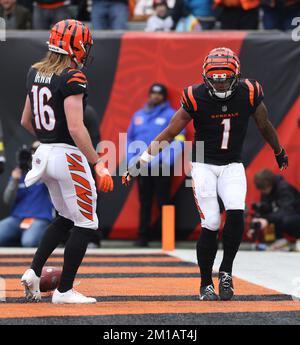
[
  {"x": 281, "y": 204},
  {"x": 31, "y": 208}
]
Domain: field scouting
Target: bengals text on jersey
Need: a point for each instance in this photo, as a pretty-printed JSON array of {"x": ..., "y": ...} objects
[{"x": 221, "y": 124}]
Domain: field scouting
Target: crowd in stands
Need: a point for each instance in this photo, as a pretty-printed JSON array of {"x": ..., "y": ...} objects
[{"x": 158, "y": 15}]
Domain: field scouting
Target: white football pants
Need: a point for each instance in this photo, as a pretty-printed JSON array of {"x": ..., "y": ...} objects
[
  {"x": 66, "y": 172},
  {"x": 210, "y": 181}
]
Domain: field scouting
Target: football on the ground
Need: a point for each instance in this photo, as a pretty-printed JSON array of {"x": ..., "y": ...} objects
[{"x": 50, "y": 278}]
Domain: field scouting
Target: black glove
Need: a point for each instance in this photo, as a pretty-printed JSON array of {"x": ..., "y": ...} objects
[
  {"x": 1, "y": 167},
  {"x": 282, "y": 159}
]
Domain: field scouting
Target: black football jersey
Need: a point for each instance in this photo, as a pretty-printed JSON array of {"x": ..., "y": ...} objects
[
  {"x": 47, "y": 94},
  {"x": 221, "y": 124}
]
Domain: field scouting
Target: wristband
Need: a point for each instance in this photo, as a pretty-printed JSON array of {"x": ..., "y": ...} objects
[
  {"x": 146, "y": 157},
  {"x": 277, "y": 154},
  {"x": 98, "y": 160}
]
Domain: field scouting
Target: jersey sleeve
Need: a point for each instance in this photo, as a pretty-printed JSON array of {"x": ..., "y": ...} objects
[
  {"x": 74, "y": 83},
  {"x": 255, "y": 91},
  {"x": 188, "y": 102},
  {"x": 29, "y": 79},
  {"x": 258, "y": 94}
]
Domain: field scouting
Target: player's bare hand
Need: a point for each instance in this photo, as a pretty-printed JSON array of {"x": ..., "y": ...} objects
[
  {"x": 104, "y": 181},
  {"x": 133, "y": 171},
  {"x": 126, "y": 178},
  {"x": 282, "y": 159}
]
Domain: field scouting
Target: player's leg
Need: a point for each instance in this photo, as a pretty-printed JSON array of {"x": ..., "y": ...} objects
[
  {"x": 58, "y": 229},
  {"x": 232, "y": 187},
  {"x": 54, "y": 234},
  {"x": 205, "y": 192},
  {"x": 79, "y": 191}
]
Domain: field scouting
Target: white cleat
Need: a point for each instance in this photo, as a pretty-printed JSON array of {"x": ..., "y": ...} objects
[
  {"x": 71, "y": 297},
  {"x": 31, "y": 283}
]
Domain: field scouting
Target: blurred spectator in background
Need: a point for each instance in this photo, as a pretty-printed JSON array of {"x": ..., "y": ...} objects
[
  {"x": 84, "y": 9},
  {"x": 26, "y": 3},
  {"x": 278, "y": 14},
  {"x": 280, "y": 205},
  {"x": 110, "y": 15},
  {"x": 2, "y": 155},
  {"x": 238, "y": 14},
  {"x": 200, "y": 9},
  {"x": 144, "y": 8},
  {"x": 16, "y": 16},
  {"x": 160, "y": 20},
  {"x": 48, "y": 12},
  {"x": 145, "y": 125},
  {"x": 31, "y": 208}
]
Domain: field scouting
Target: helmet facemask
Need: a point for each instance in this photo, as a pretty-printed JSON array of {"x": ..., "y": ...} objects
[
  {"x": 221, "y": 85},
  {"x": 88, "y": 58},
  {"x": 221, "y": 72}
]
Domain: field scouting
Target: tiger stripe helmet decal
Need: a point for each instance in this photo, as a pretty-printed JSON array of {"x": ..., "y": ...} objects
[
  {"x": 73, "y": 38},
  {"x": 221, "y": 67}
]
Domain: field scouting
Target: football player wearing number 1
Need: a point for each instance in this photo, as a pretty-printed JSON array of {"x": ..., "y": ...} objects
[
  {"x": 220, "y": 109},
  {"x": 56, "y": 97}
]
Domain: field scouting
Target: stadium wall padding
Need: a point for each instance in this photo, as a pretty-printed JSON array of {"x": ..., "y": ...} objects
[{"x": 124, "y": 66}]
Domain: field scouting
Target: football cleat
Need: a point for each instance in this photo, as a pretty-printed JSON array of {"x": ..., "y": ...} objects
[
  {"x": 207, "y": 293},
  {"x": 226, "y": 290},
  {"x": 31, "y": 283},
  {"x": 71, "y": 297}
]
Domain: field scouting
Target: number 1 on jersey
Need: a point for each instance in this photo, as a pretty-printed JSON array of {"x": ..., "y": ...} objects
[{"x": 226, "y": 131}]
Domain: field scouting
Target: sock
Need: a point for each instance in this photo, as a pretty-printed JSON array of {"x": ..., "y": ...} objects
[
  {"x": 207, "y": 247},
  {"x": 232, "y": 237},
  {"x": 55, "y": 233},
  {"x": 74, "y": 252}
]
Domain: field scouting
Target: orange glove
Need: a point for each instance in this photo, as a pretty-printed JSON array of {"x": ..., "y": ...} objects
[{"x": 104, "y": 181}]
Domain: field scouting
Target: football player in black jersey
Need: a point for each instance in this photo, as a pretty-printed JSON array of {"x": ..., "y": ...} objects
[
  {"x": 53, "y": 112},
  {"x": 220, "y": 109}
]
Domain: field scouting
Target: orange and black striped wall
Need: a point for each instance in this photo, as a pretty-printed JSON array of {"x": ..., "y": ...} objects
[{"x": 123, "y": 68}]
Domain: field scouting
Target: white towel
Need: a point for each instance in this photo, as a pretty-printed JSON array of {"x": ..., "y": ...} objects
[{"x": 39, "y": 164}]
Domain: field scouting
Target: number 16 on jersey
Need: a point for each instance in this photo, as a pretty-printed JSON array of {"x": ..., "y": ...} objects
[{"x": 43, "y": 113}]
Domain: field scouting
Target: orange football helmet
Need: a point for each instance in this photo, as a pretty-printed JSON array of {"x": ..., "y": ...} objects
[
  {"x": 73, "y": 38},
  {"x": 221, "y": 72}
]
